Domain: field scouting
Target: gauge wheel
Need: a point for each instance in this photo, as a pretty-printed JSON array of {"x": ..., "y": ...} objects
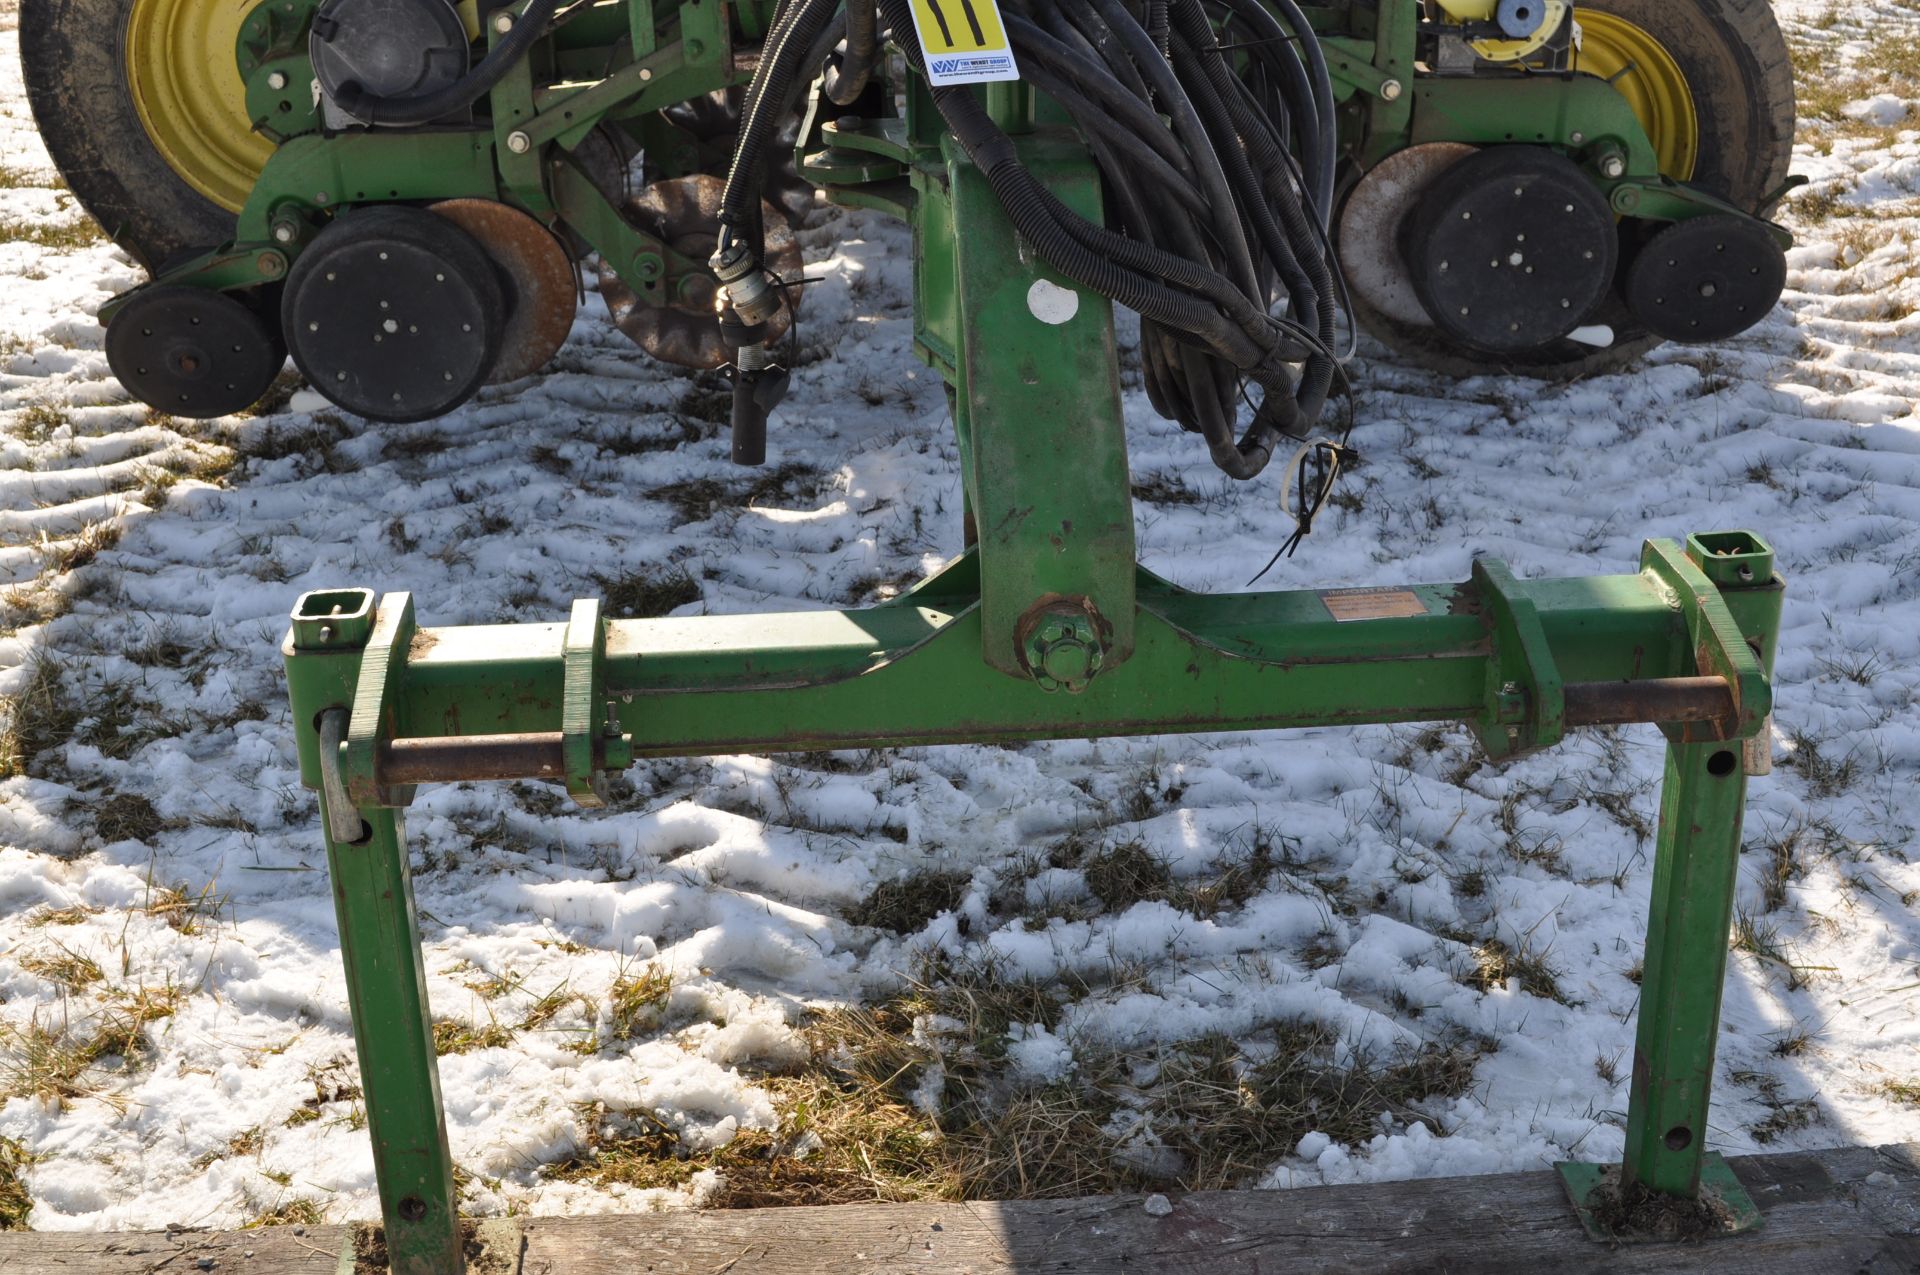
[{"x": 143, "y": 109}]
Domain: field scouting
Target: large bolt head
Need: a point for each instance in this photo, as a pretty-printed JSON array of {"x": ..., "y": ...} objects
[
  {"x": 1064, "y": 651},
  {"x": 1068, "y": 662}
]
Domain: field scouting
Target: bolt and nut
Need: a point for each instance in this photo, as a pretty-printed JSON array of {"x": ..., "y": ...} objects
[
  {"x": 519, "y": 143},
  {"x": 1390, "y": 91},
  {"x": 1064, "y": 650}
]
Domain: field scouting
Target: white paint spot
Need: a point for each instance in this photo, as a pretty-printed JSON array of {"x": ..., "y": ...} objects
[{"x": 1052, "y": 303}]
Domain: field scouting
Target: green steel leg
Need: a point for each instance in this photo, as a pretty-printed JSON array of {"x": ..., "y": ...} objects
[
  {"x": 393, "y": 1036},
  {"x": 1669, "y": 1187},
  {"x": 1686, "y": 965}
]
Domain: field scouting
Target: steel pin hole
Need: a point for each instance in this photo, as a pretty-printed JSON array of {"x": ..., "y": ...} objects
[
  {"x": 1678, "y": 1138},
  {"x": 1720, "y": 765},
  {"x": 413, "y": 1208}
]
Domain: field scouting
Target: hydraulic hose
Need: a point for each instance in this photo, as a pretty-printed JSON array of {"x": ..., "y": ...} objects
[
  {"x": 1218, "y": 186},
  {"x": 847, "y": 81},
  {"x": 470, "y": 88}
]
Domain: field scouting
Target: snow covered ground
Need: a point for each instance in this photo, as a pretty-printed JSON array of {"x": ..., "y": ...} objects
[{"x": 174, "y": 1040}]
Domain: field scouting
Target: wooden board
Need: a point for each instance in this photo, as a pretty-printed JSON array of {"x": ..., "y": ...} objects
[{"x": 1851, "y": 1211}]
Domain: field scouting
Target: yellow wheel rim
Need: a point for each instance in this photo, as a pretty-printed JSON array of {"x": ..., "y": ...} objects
[
  {"x": 186, "y": 86},
  {"x": 1642, "y": 71}
]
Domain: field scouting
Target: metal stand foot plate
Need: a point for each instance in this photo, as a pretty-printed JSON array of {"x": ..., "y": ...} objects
[
  {"x": 493, "y": 1246},
  {"x": 1723, "y": 1206}
]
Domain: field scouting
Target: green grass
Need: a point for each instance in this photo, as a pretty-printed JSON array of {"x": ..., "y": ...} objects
[
  {"x": 65, "y": 236},
  {"x": 638, "y": 1002},
  {"x": 450, "y": 1037}
]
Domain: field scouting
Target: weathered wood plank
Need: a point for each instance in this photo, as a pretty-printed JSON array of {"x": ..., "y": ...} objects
[{"x": 1851, "y": 1211}]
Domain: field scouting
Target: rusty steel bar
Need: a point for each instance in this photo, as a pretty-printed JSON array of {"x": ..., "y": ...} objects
[
  {"x": 1656, "y": 699},
  {"x": 532, "y": 755}
]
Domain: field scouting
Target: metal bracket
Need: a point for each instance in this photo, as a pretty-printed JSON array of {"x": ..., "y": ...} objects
[
  {"x": 1526, "y": 697},
  {"x": 382, "y": 666},
  {"x": 582, "y": 707},
  {"x": 1719, "y": 648}
]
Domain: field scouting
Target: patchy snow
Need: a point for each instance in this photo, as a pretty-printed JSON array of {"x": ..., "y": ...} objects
[{"x": 1395, "y": 852}]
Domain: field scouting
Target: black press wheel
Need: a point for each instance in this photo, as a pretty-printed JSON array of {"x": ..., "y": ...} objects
[{"x": 395, "y": 314}]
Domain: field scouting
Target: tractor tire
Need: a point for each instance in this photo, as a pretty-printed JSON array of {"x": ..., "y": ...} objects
[
  {"x": 74, "y": 56},
  {"x": 1735, "y": 62}
]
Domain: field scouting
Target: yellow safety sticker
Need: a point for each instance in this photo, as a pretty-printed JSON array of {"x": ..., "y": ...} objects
[{"x": 964, "y": 41}]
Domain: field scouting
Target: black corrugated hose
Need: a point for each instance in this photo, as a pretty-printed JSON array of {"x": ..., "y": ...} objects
[{"x": 1218, "y": 175}]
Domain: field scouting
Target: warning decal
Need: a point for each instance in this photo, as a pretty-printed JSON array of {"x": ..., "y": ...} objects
[
  {"x": 1372, "y": 604},
  {"x": 964, "y": 41}
]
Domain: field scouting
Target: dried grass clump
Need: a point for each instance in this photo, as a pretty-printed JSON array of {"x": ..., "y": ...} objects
[
  {"x": 15, "y": 1203},
  {"x": 906, "y": 906}
]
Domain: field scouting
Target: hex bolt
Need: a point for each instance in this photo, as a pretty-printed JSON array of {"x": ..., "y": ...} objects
[
  {"x": 1707, "y": 289},
  {"x": 276, "y": 80},
  {"x": 519, "y": 143},
  {"x": 1612, "y": 167},
  {"x": 503, "y": 22},
  {"x": 1390, "y": 91},
  {"x": 1063, "y": 650},
  {"x": 1576, "y": 137},
  {"x": 283, "y": 232}
]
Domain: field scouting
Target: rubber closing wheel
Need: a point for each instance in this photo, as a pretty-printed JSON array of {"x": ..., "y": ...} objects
[
  {"x": 1510, "y": 249},
  {"x": 1706, "y": 278},
  {"x": 193, "y": 352},
  {"x": 395, "y": 314}
]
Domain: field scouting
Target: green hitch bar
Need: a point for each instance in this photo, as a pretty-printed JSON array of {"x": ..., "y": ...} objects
[{"x": 382, "y": 705}]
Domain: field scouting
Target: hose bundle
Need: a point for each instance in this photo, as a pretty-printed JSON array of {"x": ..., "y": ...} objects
[{"x": 1219, "y": 238}]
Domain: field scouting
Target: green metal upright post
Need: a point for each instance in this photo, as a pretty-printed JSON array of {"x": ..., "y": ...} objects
[
  {"x": 393, "y": 1037},
  {"x": 379, "y": 941},
  {"x": 1037, "y": 408},
  {"x": 1690, "y": 919},
  {"x": 1695, "y": 858}
]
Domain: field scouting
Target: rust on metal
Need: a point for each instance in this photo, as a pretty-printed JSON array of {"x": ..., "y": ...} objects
[
  {"x": 684, "y": 214},
  {"x": 428, "y": 760},
  {"x": 1660, "y": 699},
  {"x": 539, "y": 277},
  {"x": 1369, "y": 236}
]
